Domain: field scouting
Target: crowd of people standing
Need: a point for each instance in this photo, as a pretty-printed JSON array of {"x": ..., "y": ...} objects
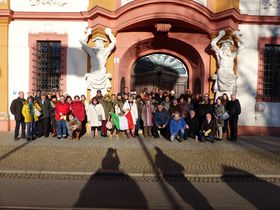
[{"x": 149, "y": 113}]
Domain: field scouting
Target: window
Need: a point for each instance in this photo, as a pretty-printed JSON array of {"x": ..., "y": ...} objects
[
  {"x": 271, "y": 65},
  {"x": 48, "y": 68},
  {"x": 269, "y": 69},
  {"x": 48, "y": 58}
]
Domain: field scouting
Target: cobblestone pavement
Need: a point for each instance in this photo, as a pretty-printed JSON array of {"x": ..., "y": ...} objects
[{"x": 141, "y": 156}]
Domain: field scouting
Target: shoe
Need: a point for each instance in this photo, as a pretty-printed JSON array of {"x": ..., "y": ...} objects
[
  {"x": 58, "y": 137},
  {"x": 64, "y": 136},
  {"x": 180, "y": 139},
  {"x": 33, "y": 138},
  {"x": 134, "y": 136},
  {"x": 23, "y": 136},
  {"x": 28, "y": 139},
  {"x": 156, "y": 137},
  {"x": 17, "y": 139}
]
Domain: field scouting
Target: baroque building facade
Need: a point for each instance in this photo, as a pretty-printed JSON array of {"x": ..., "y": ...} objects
[{"x": 159, "y": 43}]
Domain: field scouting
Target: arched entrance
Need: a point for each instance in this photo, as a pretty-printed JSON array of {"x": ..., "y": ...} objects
[
  {"x": 159, "y": 70},
  {"x": 182, "y": 53}
]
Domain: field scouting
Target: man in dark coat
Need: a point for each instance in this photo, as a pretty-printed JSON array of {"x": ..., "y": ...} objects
[
  {"x": 208, "y": 129},
  {"x": 174, "y": 107},
  {"x": 161, "y": 119},
  {"x": 234, "y": 110},
  {"x": 192, "y": 128},
  {"x": 44, "y": 122},
  {"x": 16, "y": 108}
]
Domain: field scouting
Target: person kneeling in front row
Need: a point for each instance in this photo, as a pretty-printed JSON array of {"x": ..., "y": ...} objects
[
  {"x": 177, "y": 127},
  {"x": 192, "y": 127},
  {"x": 208, "y": 129}
]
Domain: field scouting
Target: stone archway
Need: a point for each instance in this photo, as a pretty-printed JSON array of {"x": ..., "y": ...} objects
[
  {"x": 159, "y": 70},
  {"x": 181, "y": 50}
]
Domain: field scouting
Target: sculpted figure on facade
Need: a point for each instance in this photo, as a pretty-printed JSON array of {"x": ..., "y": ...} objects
[
  {"x": 225, "y": 79},
  {"x": 98, "y": 78}
]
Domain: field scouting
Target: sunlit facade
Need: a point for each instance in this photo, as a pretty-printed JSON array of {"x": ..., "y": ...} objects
[{"x": 160, "y": 43}]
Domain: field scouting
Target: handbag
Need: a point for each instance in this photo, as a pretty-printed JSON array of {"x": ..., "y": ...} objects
[
  {"x": 37, "y": 112},
  {"x": 109, "y": 124},
  {"x": 225, "y": 116},
  {"x": 99, "y": 116}
]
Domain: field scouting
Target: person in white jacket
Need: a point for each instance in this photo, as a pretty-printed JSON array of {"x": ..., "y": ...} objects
[
  {"x": 131, "y": 106},
  {"x": 95, "y": 114}
]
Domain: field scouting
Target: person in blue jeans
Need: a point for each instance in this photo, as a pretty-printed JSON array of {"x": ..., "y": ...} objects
[
  {"x": 161, "y": 119},
  {"x": 177, "y": 127}
]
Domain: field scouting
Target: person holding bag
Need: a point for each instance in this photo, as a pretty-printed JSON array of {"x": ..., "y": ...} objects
[
  {"x": 30, "y": 117},
  {"x": 95, "y": 115}
]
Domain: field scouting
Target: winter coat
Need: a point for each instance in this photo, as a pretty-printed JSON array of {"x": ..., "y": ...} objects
[
  {"x": 211, "y": 125},
  {"x": 184, "y": 109},
  {"x": 46, "y": 108},
  {"x": 117, "y": 106},
  {"x": 166, "y": 105},
  {"x": 147, "y": 115},
  {"x": 173, "y": 109},
  {"x": 74, "y": 123},
  {"x": 133, "y": 109},
  {"x": 176, "y": 125},
  {"x": 234, "y": 109},
  {"x": 218, "y": 113},
  {"x": 30, "y": 114},
  {"x": 78, "y": 110},
  {"x": 16, "y": 108},
  {"x": 193, "y": 124},
  {"x": 139, "y": 107},
  {"x": 162, "y": 117},
  {"x": 95, "y": 115},
  {"x": 63, "y": 108},
  {"x": 107, "y": 106}
]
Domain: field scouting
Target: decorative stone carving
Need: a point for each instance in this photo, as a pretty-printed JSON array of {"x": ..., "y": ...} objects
[
  {"x": 60, "y": 3},
  {"x": 98, "y": 78},
  {"x": 270, "y": 4},
  {"x": 225, "y": 79},
  {"x": 163, "y": 27}
]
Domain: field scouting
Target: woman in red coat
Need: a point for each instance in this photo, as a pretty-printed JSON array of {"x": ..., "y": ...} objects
[
  {"x": 78, "y": 108},
  {"x": 61, "y": 110}
]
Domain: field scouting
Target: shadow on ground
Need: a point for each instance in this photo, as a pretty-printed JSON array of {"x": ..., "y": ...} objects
[{"x": 111, "y": 188}]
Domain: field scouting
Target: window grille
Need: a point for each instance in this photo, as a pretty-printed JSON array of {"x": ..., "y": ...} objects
[
  {"x": 271, "y": 71},
  {"x": 47, "y": 67}
]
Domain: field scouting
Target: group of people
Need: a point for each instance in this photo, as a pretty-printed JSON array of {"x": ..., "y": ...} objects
[{"x": 155, "y": 113}]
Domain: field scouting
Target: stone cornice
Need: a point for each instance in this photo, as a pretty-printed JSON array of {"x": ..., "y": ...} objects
[{"x": 129, "y": 14}]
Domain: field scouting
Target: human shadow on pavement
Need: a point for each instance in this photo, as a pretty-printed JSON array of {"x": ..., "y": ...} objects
[
  {"x": 260, "y": 193},
  {"x": 173, "y": 173},
  {"x": 109, "y": 187},
  {"x": 16, "y": 149}
]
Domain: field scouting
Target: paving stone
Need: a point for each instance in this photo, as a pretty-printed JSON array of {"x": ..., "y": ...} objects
[{"x": 251, "y": 155}]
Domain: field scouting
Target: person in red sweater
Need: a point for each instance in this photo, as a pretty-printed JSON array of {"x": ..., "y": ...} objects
[
  {"x": 61, "y": 110},
  {"x": 78, "y": 109}
]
